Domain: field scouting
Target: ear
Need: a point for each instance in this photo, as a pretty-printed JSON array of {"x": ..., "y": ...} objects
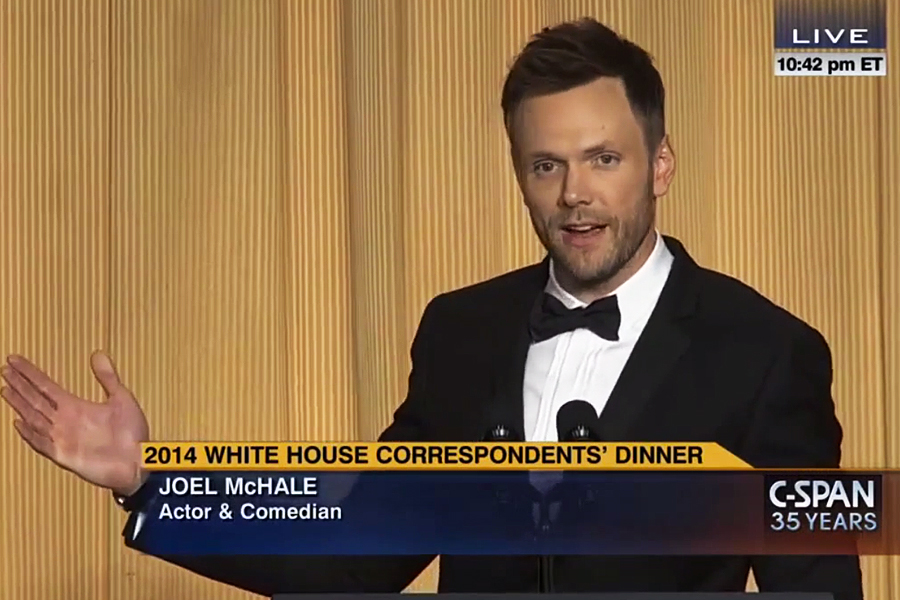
[{"x": 663, "y": 166}]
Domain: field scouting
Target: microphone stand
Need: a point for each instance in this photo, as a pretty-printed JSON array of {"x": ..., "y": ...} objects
[
  {"x": 580, "y": 433},
  {"x": 545, "y": 575},
  {"x": 545, "y": 566}
]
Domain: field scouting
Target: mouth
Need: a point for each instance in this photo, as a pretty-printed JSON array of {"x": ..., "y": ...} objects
[
  {"x": 583, "y": 227},
  {"x": 582, "y": 235}
]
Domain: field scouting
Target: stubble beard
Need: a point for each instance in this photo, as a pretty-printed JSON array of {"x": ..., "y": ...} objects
[{"x": 580, "y": 271}]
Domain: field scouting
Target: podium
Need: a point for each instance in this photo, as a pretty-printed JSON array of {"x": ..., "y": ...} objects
[{"x": 585, "y": 596}]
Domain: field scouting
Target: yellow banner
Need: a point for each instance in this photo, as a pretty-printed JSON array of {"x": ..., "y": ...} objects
[{"x": 455, "y": 456}]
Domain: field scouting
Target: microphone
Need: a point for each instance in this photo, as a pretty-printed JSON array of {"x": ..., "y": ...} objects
[
  {"x": 510, "y": 492},
  {"x": 576, "y": 421},
  {"x": 499, "y": 417},
  {"x": 501, "y": 433},
  {"x": 499, "y": 427}
]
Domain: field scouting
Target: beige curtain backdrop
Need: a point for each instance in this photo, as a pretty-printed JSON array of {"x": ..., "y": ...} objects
[{"x": 249, "y": 202}]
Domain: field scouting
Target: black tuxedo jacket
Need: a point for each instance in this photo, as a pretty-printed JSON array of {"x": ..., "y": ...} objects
[{"x": 716, "y": 362}]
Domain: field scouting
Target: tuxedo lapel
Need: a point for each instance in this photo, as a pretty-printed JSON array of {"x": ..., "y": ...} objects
[
  {"x": 512, "y": 343},
  {"x": 663, "y": 342}
]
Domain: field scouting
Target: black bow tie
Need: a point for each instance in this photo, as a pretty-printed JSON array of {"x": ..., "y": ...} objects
[{"x": 550, "y": 318}]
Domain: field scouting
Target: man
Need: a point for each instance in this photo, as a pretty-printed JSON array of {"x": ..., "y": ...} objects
[{"x": 617, "y": 315}]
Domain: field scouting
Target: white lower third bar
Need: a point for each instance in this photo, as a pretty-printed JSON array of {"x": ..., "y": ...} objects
[{"x": 831, "y": 64}]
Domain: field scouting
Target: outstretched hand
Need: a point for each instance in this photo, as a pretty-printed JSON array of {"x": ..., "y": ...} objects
[{"x": 98, "y": 441}]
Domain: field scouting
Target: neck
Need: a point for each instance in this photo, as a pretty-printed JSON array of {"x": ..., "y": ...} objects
[{"x": 592, "y": 292}]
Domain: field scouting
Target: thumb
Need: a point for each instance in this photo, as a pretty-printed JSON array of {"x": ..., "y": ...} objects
[{"x": 105, "y": 372}]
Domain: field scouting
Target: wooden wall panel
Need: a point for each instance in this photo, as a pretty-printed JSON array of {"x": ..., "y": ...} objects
[
  {"x": 312, "y": 124},
  {"x": 197, "y": 260},
  {"x": 249, "y": 204},
  {"x": 54, "y": 245},
  {"x": 888, "y": 110}
]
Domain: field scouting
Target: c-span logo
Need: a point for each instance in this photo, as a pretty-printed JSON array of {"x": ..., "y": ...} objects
[
  {"x": 830, "y": 38},
  {"x": 823, "y": 502}
]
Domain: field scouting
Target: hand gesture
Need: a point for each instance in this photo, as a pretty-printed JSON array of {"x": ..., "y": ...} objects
[{"x": 99, "y": 442}]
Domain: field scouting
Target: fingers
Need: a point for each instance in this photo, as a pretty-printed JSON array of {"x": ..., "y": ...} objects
[
  {"x": 39, "y": 443},
  {"x": 38, "y": 380},
  {"x": 27, "y": 401},
  {"x": 105, "y": 372},
  {"x": 31, "y": 416}
]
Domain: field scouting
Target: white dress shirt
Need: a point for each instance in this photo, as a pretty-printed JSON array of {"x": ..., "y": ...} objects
[{"x": 580, "y": 365}]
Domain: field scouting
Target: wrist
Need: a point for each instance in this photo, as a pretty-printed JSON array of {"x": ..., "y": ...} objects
[
  {"x": 135, "y": 495},
  {"x": 137, "y": 483}
]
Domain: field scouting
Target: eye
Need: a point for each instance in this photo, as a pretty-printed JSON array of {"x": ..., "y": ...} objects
[
  {"x": 606, "y": 160},
  {"x": 545, "y": 167}
]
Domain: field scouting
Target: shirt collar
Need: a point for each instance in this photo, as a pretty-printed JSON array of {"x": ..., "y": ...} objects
[{"x": 637, "y": 295}]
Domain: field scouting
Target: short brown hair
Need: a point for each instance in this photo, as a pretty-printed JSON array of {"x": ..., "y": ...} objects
[{"x": 576, "y": 53}]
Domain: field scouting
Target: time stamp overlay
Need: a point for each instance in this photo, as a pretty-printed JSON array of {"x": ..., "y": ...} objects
[{"x": 820, "y": 38}]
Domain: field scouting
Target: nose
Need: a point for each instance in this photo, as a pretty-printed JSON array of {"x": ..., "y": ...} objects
[
  {"x": 574, "y": 190},
  {"x": 573, "y": 199}
]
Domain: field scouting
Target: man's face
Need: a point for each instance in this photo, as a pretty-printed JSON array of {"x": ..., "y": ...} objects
[{"x": 588, "y": 182}]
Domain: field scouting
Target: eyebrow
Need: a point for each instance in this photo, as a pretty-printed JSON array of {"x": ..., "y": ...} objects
[{"x": 586, "y": 153}]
